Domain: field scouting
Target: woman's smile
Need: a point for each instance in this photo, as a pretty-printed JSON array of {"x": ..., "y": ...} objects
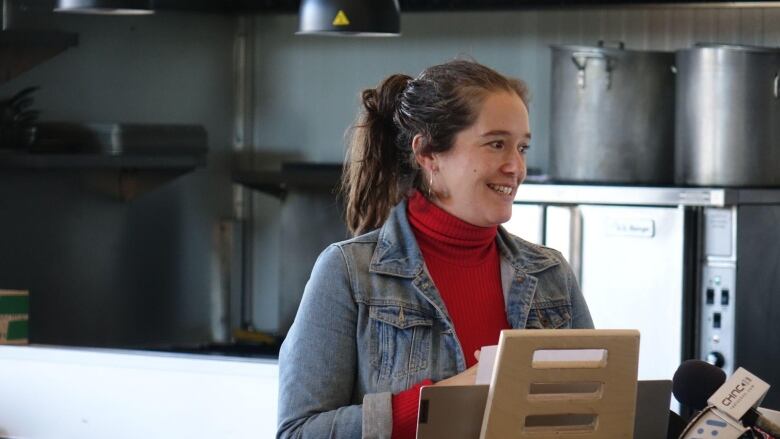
[{"x": 501, "y": 189}]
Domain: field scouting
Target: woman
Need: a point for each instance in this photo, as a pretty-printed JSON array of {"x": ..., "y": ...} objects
[{"x": 432, "y": 170}]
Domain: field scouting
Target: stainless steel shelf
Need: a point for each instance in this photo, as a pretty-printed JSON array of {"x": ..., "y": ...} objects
[
  {"x": 642, "y": 196},
  {"x": 122, "y": 176},
  {"x": 303, "y": 176},
  {"x": 74, "y": 161}
]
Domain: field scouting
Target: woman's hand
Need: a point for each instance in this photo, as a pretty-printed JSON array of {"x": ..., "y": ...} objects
[{"x": 466, "y": 378}]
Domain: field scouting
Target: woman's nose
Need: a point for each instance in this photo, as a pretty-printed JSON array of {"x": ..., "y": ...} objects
[{"x": 515, "y": 163}]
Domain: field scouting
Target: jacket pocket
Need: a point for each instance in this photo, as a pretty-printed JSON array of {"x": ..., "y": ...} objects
[
  {"x": 549, "y": 315},
  {"x": 400, "y": 340}
]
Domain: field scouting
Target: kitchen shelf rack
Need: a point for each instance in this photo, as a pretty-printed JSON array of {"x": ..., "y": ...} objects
[{"x": 311, "y": 217}]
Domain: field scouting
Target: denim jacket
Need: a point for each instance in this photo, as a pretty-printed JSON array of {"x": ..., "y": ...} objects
[{"x": 371, "y": 323}]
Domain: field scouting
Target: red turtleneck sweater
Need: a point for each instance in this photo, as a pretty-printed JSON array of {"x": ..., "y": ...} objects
[{"x": 464, "y": 264}]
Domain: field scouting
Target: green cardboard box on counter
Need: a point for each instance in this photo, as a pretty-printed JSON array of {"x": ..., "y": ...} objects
[{"x": 14, "y": 309}]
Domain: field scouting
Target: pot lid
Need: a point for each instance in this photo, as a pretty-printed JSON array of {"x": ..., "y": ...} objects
[
  {"x": 741, "y": 47},
  {"x": 609, "y": 47}
]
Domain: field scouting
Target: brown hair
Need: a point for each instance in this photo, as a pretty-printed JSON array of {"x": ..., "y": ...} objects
[{"x": 380, "y": 168}]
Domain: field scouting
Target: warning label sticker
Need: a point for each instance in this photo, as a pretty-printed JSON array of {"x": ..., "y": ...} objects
[{"x": 341, "y": 19}]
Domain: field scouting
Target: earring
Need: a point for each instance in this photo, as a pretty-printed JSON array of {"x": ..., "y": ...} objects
[
  {"x": 430, "y": 184},
  {"x": 441, "y": 193}
]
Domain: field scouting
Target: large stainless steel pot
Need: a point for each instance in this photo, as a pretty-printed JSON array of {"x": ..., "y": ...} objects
[
  {"x": 612, "y": 115},
  {"x": 728, "y": 116}
]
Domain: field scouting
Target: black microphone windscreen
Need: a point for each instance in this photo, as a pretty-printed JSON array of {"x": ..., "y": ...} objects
[{"x": 695, "y": 381}]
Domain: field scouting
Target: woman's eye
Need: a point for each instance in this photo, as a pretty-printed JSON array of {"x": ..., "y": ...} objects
[
  {"x": 497, "y": 145},
  {"x": 523, "y": 148}
]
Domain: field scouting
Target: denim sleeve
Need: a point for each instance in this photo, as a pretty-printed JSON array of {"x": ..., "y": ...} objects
[
  {"x": 579, "y": 308},
  {"x": 317, "y": 361}
]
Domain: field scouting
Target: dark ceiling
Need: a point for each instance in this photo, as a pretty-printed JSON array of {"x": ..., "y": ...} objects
[{"x": 291, "y": 6}]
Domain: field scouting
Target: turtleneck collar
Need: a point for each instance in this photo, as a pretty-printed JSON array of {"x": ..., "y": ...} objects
[{"x": 448, "y": 236}]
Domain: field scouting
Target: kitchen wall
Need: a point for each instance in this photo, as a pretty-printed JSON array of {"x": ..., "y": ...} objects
[
  {"x": 103, "y": 271},
  {"x": 106, "y": 272},
  {"x": 307, "y": 88}
]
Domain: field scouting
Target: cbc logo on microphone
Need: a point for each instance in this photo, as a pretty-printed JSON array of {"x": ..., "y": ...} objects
[{"x": 713, "y": 430}]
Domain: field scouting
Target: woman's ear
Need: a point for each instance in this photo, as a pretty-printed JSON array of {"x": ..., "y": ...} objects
[{"x": 426, "y": 160}]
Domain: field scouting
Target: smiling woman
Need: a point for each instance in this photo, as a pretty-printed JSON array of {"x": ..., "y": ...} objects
[{"x": 430, "y": 277}]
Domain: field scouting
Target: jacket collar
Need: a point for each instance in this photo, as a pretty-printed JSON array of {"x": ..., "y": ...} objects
[
  {"x": 398, "y": 254},
  {"x": 523, "y": 255}
]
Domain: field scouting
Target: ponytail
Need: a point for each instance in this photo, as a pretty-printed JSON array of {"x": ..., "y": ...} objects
[{"x": 375, "y": 161}]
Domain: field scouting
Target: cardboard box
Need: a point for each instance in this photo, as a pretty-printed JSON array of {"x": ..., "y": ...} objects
[{"x": 14, "y": 311}]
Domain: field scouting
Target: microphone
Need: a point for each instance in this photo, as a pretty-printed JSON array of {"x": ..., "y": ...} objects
[
  {"x": 695, "y": 381},
  {"x": 728, "y": 404}
]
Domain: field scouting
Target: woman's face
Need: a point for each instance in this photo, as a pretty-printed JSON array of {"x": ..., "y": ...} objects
[{"x": 476, "y": 180}]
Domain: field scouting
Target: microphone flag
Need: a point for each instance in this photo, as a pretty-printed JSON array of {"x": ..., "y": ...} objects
[
  {"x": 709, "y": 423},
  {"x": 740, "y": 393}
]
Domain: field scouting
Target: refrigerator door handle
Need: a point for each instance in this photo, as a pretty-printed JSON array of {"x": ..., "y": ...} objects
[
  {"x": 563, "y": 232},
  {"x": 575, "y": 242}
]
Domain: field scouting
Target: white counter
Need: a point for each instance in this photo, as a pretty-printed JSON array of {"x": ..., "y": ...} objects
[{"x": 62, "y": 393}]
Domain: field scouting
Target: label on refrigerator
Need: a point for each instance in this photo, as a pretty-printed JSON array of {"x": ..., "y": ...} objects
[
  {"x": 641, "y": 228},
  {"x": 717, "y": 232}
]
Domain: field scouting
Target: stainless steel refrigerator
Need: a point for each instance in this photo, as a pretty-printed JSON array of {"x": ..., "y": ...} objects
[{"x": 696, "y": 270}]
